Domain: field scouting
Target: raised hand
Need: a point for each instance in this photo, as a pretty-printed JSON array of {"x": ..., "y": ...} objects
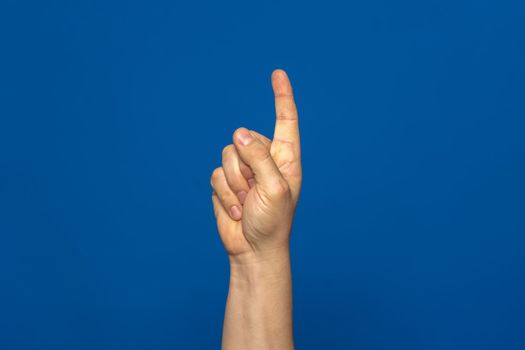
[{"x": 257, "y": 187}]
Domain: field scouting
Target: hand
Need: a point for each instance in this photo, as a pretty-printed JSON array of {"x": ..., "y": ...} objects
[{"x": 257, "y": 188}]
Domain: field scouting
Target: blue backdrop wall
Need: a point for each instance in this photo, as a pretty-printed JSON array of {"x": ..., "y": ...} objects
[{"x": 410, "y": 233}]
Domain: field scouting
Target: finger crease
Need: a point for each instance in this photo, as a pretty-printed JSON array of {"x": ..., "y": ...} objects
[{"x": 285, "y": 117}]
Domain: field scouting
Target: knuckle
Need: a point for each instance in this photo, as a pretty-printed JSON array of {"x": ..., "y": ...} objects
[
  {"x": 227, "y": 150},
  {"x": 216, "y": 174}
]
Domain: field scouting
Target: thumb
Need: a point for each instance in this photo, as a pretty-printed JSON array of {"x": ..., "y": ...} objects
[{"x": 257, "y": 156}]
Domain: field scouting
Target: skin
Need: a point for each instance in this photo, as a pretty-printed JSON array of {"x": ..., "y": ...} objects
[{"x": 255, "y": 194}]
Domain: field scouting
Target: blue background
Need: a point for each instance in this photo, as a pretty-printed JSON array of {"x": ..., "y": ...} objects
[{"x": 410, "y": 232}]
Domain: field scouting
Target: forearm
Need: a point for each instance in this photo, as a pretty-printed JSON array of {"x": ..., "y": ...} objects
[{"x": 259, "y": 306}]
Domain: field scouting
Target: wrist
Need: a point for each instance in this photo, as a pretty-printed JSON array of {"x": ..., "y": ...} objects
[{"x": 252, "y": 269}]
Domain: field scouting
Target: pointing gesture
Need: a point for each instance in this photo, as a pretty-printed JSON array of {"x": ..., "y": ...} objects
[
  {"x": 286, "y": 147},
  {"x": 255, "y": 191}
]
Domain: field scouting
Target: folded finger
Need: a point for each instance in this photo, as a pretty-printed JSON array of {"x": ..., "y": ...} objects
[
  {"x": 227, "y": 197},
  {"x": 231, "y": 163}
]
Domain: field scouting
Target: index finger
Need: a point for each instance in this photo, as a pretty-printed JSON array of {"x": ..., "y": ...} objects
[{"x": 287, "y": 123}]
